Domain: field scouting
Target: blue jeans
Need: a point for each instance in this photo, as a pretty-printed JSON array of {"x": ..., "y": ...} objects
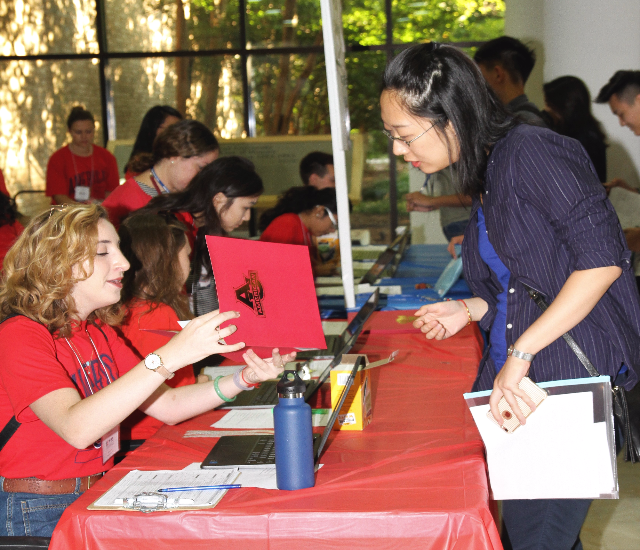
[
  {"x": 544, "y": 524},
  {"x": 28, "y": 514}
]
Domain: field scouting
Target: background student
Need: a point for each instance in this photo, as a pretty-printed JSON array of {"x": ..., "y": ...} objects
[
  {"x": 179, "y": 153},
  {"x": 76, "y": 381},
  {"x": 568, "y": 102},
  {"x": 81, "y": 171},
  {"x": 153, "y": 296},
  {"x": 301, "y": 214},
  {"x": 219, "y": 199},
  {"x": 316, "y": 170},
  {"x": 153, "y": 123}
]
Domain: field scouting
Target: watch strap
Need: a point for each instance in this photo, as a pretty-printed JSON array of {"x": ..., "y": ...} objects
[{"x": 160, "y": 369}]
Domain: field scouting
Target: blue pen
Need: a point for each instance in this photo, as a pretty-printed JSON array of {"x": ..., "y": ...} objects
[{"x": 198, "y": 488}]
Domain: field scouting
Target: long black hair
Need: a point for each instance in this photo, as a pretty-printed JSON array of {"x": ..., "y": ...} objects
[
  {"x": 300, "y": 199},
  {"x": 444, "y": 85},
  {"x": 234, "y": 177},
  {"x": 153, "y": 119}
]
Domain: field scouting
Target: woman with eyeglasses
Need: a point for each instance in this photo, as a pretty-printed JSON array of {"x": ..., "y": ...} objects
[
  {"x": 67, "y": 381},
  {"x": 301, "y": 214},
  {"x": 540, "y": 217},
  {"x": 219, "y": 199}
]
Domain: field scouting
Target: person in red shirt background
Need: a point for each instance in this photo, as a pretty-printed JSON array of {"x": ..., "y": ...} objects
[
  {"x": 153, "y": 295},
  {"x": 179, "y": 153},
  {"x": 81, "y": 171},
  {"x": 10, "y": 228},
  {"x": 302, "y": 213}
]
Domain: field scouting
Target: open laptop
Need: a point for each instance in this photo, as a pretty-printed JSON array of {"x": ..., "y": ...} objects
[
  {"x": 385, "y": 258},
  {"x": 266, "y": 395},
  {"x": 258, "y": 451}
]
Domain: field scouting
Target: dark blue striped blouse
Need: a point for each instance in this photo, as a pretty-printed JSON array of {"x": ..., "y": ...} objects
[{"x": 547, "y": 215}]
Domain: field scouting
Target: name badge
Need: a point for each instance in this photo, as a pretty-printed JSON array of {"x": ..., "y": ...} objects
[
  {"x": 110, "y": 443},
  {"x": 82, "y": 193}
]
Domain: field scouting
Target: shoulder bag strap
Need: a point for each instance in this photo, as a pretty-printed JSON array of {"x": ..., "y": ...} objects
[
  {"x": 12, "y": 426},
  {"x": 539, "y": 300}
]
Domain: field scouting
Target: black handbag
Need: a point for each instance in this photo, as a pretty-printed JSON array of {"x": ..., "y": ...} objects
[{"x": 626, "y": 404}]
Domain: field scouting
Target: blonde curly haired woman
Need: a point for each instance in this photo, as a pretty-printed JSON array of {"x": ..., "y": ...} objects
[{"x": 67, "y": 381}]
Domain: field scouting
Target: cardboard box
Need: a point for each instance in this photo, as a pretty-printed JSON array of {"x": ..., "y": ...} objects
[{"x": 357, "y": 410}]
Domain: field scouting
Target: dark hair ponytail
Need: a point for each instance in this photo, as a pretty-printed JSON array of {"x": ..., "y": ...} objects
[
  {"x": 444, "y": 85},
  {"x": 297, "y": 200}
]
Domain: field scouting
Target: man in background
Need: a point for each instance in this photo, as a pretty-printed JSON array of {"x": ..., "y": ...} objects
[
  {"x": 316, "y": 169},
  {"x": 506, "y": 64},
  {"x": 622, "y": 93}
]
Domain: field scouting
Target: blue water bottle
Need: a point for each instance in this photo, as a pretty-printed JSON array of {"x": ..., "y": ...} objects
[{"x": 293, "y": 435}]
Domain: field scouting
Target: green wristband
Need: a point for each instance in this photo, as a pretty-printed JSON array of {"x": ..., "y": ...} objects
[{"x": 220, "y": 394}]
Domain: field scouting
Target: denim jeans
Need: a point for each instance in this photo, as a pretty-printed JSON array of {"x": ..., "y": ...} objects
[
  {"x": 28, "y": 514},
  {"x": 544, "y": 524}
]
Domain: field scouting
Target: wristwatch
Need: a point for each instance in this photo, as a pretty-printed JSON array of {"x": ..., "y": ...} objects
[
  {"x": 154, "y": 362},
  {"x": 520, "y": 354}
]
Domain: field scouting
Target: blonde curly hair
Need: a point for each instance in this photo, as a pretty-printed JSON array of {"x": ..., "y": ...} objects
[{"x": 39, "y": 268}]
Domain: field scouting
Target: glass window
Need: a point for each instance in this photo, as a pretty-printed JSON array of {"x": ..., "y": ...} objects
[
  {"x": 210, "y": 91},
  {"x": 289, "y": 94},
  {"x": 282, "y": 24},
  {"x": 41, "y": 27},
  {"x": 35, "y": 100},
  {"x": 447, "y": 21},
  {"x": 156, "y": 26}
]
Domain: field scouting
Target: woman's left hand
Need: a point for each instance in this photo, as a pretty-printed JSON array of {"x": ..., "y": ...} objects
[
  {"x": 506, "y": 384},
  {"x": 259, "y": 370}
]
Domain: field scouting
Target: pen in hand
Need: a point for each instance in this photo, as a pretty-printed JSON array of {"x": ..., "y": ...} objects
[{"x": 198, "y": 488}]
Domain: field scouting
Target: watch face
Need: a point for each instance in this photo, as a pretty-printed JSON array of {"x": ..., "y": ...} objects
[{"x": 152, "y": 361}]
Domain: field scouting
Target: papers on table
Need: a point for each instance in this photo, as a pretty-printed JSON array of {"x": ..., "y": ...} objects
[
  {"x": 565, "y": 450},
  {"x": 253, "y": 419},
  {"x": 123, "y": 495}
]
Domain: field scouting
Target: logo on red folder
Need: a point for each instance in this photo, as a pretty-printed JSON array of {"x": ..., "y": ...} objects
[{"x": 251, "y": 293}]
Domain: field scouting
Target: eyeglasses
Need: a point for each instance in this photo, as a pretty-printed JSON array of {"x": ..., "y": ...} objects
[
  {"x": 404, "y": 142},
  {"x": 333, "y": 219}
]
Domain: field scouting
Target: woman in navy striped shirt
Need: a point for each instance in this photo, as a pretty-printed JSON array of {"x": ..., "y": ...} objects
[{"x": 540, "y": 217}]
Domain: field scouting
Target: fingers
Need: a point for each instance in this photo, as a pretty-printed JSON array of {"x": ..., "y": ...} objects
[
  {"x": 258, "y": 369},
  {"x": 434, "y": 330},
  {"x": 451, "y": 249}
]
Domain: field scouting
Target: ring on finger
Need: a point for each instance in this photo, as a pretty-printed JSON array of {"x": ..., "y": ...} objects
[{"x": 221, "y": 342}]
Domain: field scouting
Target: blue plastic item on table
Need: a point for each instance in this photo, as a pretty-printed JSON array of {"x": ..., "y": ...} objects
[{"x": 450, "y": 274}]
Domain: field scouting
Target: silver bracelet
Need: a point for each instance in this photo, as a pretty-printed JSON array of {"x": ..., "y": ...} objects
[
  {"x": 238, "y": 381},
  {"x": 520, "y": 354}
]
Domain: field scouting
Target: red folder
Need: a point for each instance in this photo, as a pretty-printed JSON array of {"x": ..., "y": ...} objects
[{"x": 271, "y": 285}]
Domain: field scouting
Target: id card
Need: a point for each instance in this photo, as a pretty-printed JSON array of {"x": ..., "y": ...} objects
[
  {"x": 82, "y": 193},
  {"x": 110, "y": 443}
]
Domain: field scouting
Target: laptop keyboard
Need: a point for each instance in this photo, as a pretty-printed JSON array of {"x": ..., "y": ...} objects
[
  {"x": 267, "y": 395},
  {"x": 264, "y": 451}
]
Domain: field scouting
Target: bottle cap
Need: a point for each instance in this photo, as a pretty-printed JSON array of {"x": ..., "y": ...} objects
[{"x": 291, "y": 385}]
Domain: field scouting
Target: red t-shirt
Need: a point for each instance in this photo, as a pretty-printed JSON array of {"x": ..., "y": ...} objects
[
  {"x": 161, "y": 317},
  {"x": 33, "y": 364},
  {"x": 124, "y": 200},
  {"x": 65, "y": 171},
  {"x": 8, "y": 235},
  {"x": 289, "y": 229}
]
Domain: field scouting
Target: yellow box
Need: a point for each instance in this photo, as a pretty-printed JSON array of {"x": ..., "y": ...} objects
[{"x": 357, "y": 410}]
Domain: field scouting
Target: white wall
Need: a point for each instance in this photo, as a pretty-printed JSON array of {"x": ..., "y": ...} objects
[{"x": 590, "y": 39}]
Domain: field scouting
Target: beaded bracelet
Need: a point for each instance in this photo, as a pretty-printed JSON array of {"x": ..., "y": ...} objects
[
  {"x": 248, "y": 383},
  {"x": 468, "y": 312},
  {"x": 220, "y": 394},
  {"x": 240, "y": 385}
]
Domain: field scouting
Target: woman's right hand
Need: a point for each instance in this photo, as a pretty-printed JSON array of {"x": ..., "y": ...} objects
[
  {"x": 200, "y": 338},
  {"x": 441, "y": 320}
]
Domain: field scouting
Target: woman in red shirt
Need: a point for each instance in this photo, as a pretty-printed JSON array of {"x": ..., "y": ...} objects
[
  {"x": 81, "y": 171},
  {"x": 153, "y": 294},
  {"x": 179, "y": 153},
  {"x": 67, "y": 381},
  {"x": 301, "y": 214}
]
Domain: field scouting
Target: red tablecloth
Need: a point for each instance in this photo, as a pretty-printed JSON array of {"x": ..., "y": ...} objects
[{"x": 414, "y": 478}]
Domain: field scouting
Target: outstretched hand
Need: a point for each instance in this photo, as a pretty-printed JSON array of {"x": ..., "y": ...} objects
[
  {"x": 441, "y": 320},
  {"x": 259, "y": 370}
]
